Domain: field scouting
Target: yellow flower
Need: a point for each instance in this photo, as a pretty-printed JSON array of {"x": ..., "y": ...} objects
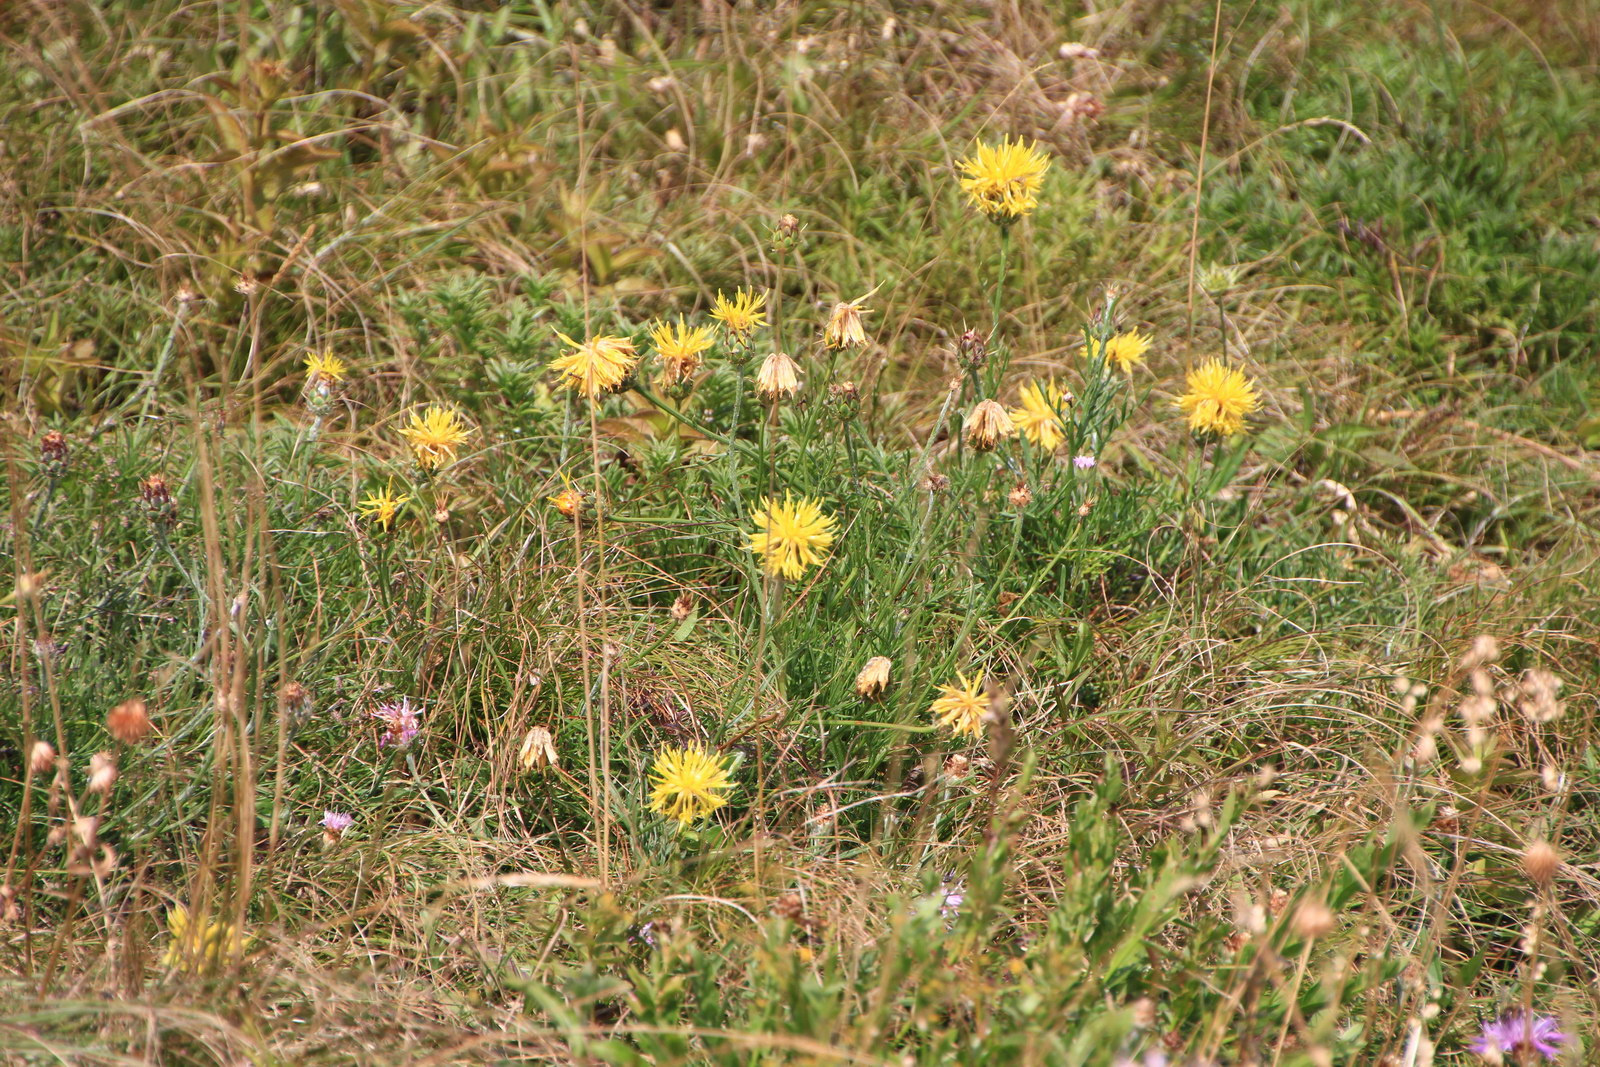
[
  {"x": 844, "y": 326},
  {"x": 1125, "y": 350},
  {"x": 325, "y": 367},
  {"x": 1218, "y": 399},
  {"x": 777, "y": 377},
  {"x": 435, "y": 435},
  {"x": 688, "y": 783},
  {"x": 569, "y": 501},
  {"x": 681, "y": 348},
  {"x": 596, "y": 366},
  {"x": 791, "y": 536},
  {"x": 987, "y": 425},
  {"x": 741, "y": 315},
  {"x": 1038, "y": 415},
  {"x": 962, "y": 706},
  {"x": 382, "y": 508},
  {"x": 1003, "y": 180},
  {"x": 200, "y": 949},
  {"x": 874, "y": 677}
]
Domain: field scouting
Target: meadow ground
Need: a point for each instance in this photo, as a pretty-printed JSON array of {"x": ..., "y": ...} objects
[{"x": 800, "y": 532}]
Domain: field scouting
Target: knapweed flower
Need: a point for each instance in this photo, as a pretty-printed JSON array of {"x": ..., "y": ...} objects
[
  {"x": 777, "y": 377},
  {"x": 595, "y": 366},
  {"x": 791, "y": 536},
  {"x": 874, "y": 678},
  {"x": 987, "y": 425},
  {"x": 434, "y": 436},
  {"x": 1003, "y": 180},
  {"x": 399, "y": 721},
  {"x": 1038, "y": 413},
  {"x": 741, "y": 315},
  {"x": 681, "y": 349},
  {"x": 325, "y": 367},
  {"x": 334, "y": 824},
  {"x": 382, "y": 508},
  {"x": 200, "y": 947},
  {"x": 962, "y": 706},
  {"x": 1124, "y": 351},
  {"x": 1519, "y": 1032},
  {"x": 688, "y": 783},
  {"x": 844, "y": 326},
  {"x": 1218, "y": 399}
]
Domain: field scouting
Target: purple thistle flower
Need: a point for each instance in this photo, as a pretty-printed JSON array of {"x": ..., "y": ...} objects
[
  {"x": 337, "y": 821},
  {"x": 1520, "y": 1030},
  {"x": 1083, "y": 463},
  {"x": 399, "y": 720}
]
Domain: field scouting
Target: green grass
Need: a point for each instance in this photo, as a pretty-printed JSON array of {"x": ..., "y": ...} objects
[{"x": 1191, "y": 649}]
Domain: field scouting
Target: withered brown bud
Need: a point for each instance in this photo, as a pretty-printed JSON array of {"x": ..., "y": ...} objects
[
  {"x": 129, "y": 721},
  {"x": 156, "y": 498},
  {"x": 682, "y": 606},
  {"x": 1540, "y": 862},
  {"x": 973, "y": 349},
  {"x": 43, "y": 757},
  {"x": 935, "y": 483},
  {"x": 295, "y": 700},
  {"x": 53, "y": 455},
  {"x": 102, "y": 773},
  {"x": 790, "y": 905},
  {"x": 1021, "y": 496}
]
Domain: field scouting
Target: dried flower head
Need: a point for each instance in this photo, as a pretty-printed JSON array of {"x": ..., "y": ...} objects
[
  {"x": 399, "y": 721},
  {"x": 962, "y": 706},
  {"x": 1540, "y": 862},
  {"x": 934, "y": 482},
  {"x": 382, "y": 508},
  {"x": 598, "y": 365},
  {"x": 973, "y": 349},
  {"x": 435, "y": 435},
  {"x": 1038, "y": 413},
  {"x": 777, "y": 377},
  {"x": 54, "y": 455},
  {"x": 874, "y": 678},
  {"x": 295, "y": 701},
  {"x": 844, "y": 329},
  {"x": 1020, "y": 496},
  {"x": 129, "y": 721},
  {"x": 791, "y": 536},
  {"x": 682, "y": 606},
  {"x": 538, "y": 750},
  {"x": 42, "y": 757},
  {"x": 102, "y": 773},
  {"x": 740, "y": 316},
  {"x": 688, "y": 783},
  {"x": 680, "y": 348},
  {"x": 987, "y": 425},
  {"x": 1483, "y": 651},
  {"x": 1003, "y": 180},
  {"x": 1313, "y": 920},
  {"x": 1217, "y": 399},
  {"x": 1539, "y": 692}
]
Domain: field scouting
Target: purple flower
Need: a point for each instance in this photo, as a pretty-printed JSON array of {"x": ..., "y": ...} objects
[
  {"x": 337, "y": 821},
  {"x": 399, "y": 720},
  {"x": 1083, "y": 463},
  {"x": 954, "y": 895},
  {"x": 1520, "y": 1030}
]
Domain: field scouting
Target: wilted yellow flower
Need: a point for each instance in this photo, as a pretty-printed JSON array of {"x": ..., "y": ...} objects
[
  {"x": 844, "y": 326},
  {"x": 1003, "y": 180},
  {"x": 681, "y": 348},
  {"x": 777, "y": 378},
  {"x": 1124, "y": 351},
  {"x": 874, "y": 677},
  {"x": 791, "y": 536},
  {"x": 1218, "y": 399},
  {"x": 595, "y": 366},
  {"x": 538, "y": 750},
  {"x": 1038, "y": 415},
  {"x": 569, "y": 501},
  {"x": 741, "y": 315},
  {"x": 961, "y": 706},
  {"x": 325, "y": 367},
  {"x": 382, "y": 508},
  {"x": 987, "y": 425},
  {"x": 688, "y": 783},
  {"x": 200, "y": 948},
  {"x": 434, "y": 436}
]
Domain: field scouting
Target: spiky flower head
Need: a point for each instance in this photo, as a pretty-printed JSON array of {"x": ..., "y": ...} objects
[
  {"x": 1217, "y": 399},
  {"x": 844, "y": 328},
  {"x": 1003, "y": 180},
  {"x": 570, "y": 500},
  {"x": 791, "y": 536},
  {"x": 961, "y": 706},
  {"x": 1038, "y": 414},
  {"x": 399, "y": 721},
  {"x": 1124, "y": 351},
  {"x": 334, "y": 824},
  {"x": 434, "y": 436},
  {"x": 987, "y": 425},
  {"x": 1218, "y": 278},
  {"x": 324, "y": 366},
  {"x": 1519, "y": 1033},
  {"x": 382, "y": 508},
  {"x": 688, "y": 783},
  {"x": 595, "y": 366},
  {"x": 778, "y": 377},
  {"x": 741, "y": 315},
  {"x": 681, "y": 349}
]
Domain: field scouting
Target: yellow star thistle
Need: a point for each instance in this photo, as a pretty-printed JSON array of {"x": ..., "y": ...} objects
[
  {"x": 595, "y": 366},
  {"x": 1125, "y": 350},
  {"x": 1003, "y": 180},
  {"x": 741, "y": 315},
  {"x": 791, "y": 536},
  {"x": 688, "y": 783},
  {"x": 961, "y": 706},
  {"x": 1218, "y": 399},
  {"x": 681, "y": 348},
  {"x": 382, "y": 508},
  {"x": 325, "y": 367},
  {"x": 1038, "y": 413},
  {"x": 434, "y": 436}
]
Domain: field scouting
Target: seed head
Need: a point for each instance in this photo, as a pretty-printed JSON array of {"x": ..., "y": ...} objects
[
  {"x": 102, "y": 773},
  {"x": 1539, "y": 691},
  {"x": 295, "y": 701},
  {"x": 1540, "y": 862},
  {"x": 682, "y": 606},
  {"x": 42, "y": 758},
  {"x": 129, "y": 721},
  {"x": 1313, "y": 920},
  {"x": 1021, "y": 496}
]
